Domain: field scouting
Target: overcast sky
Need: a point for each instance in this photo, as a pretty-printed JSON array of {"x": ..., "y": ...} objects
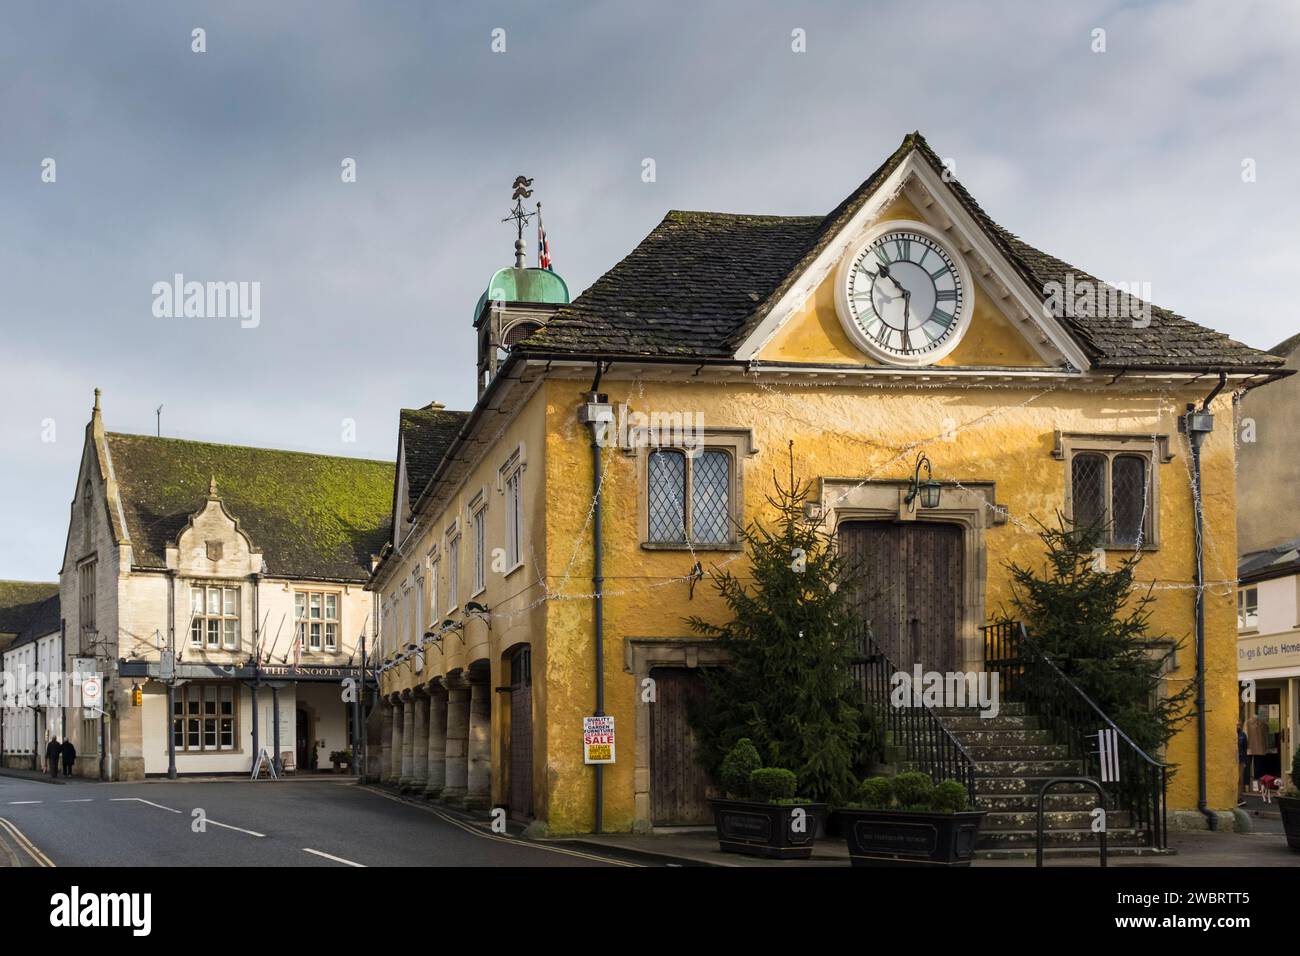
[{"x": 225, "y": 165}]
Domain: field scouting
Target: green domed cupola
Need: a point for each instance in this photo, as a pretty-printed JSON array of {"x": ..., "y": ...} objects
[{"x": 519, "y": 299}]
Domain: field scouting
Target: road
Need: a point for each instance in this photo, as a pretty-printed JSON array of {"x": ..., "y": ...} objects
[{"x": 237, "y": 823}]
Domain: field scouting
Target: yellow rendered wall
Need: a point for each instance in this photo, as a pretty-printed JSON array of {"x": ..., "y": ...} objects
[{"x": 1004, "y": 435}]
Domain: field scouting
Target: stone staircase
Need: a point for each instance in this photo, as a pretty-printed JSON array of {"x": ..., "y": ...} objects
[{"x": 1013, "y": 758}]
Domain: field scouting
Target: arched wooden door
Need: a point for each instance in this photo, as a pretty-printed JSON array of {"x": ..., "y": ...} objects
[
  {"x": 911, "y": 588},
  {"x": 521, "y": 733}
]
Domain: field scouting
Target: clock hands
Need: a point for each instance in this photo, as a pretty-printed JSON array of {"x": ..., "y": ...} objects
[{"x": 907, "y": 304}]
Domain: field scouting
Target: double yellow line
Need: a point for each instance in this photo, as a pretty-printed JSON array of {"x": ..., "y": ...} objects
[{"x": 25, "y": 844}]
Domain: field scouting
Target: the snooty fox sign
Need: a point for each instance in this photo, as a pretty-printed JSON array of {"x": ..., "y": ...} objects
[{"x": 598, "y": 739}]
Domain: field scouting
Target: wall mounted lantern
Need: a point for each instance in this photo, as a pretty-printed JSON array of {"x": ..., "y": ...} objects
[{"x": 927, "y": 490}]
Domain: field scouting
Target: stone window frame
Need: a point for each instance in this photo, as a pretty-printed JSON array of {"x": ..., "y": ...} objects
[
  {"x": 433, "y": 570},
  {"x": 513, "y": 472},
  {"x": 476, "y": 513},
  {"x": 238, "y": 617},
  {"x": 307, "y": 619},
  {"x": 452, "y": 538},
  {"x": 1153, "y": 447},
  {"x": 86, "y": 572},
  {"x": 736, "y": 442}
]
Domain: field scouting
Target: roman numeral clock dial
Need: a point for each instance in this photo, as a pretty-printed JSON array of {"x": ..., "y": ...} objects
[{"x": 902, "y": 296}]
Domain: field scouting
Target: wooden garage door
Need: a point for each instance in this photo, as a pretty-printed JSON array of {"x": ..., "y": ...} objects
[
  {"x": 679, "y": 786},
  {"x": 911, "y": 590}
]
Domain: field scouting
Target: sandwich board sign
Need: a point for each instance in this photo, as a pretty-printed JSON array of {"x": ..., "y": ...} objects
[
  {"x": 598, "y": 739},
  {"x": 92, "y": 695},
  {"x": 264, "y": 762}
]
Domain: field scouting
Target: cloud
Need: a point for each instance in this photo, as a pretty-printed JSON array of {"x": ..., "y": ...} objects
[{"x": 225, "y": 166}]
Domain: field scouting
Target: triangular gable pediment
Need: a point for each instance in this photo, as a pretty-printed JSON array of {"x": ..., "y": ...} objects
[{"x": 1006, "y": 325}]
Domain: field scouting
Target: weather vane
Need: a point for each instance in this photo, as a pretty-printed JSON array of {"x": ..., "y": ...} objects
[{"x": 519, "y": 216}]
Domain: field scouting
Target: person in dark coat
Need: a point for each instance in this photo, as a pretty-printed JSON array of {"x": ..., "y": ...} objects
[
  {"x": 52, "y": 752},
  {"x": 69, "y": 753}
]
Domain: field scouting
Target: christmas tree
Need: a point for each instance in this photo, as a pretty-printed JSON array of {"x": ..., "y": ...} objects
[
  {"x": 1096, "y": 629},
  {"x": 789, "y": 687}
]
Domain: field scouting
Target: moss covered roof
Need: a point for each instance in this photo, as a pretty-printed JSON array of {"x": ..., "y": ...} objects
[
  {"x": 29, "y": 607},
  {"x": 311, "y": 516}
]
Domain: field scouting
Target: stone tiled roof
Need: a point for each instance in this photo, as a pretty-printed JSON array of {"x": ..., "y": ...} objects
[
  {"x": 426, "y": 433},
  {"x": 1275, "y": 562},
  {"x": 1284, "y": 348},
  {"x": 29, "y": 608},
  {"x": 311, "y": 516},
  {"x": 701, "y": 282}
]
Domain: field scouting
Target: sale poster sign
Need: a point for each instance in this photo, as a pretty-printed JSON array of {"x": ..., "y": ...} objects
[{"x": 598, "y": 739}]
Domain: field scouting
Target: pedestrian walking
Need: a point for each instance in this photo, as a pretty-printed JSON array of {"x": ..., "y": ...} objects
[
  {"x": 52, "y": 752},
  {"x": 69, "y": 754}
]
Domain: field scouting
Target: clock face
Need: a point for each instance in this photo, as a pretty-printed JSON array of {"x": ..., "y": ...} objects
[{"x": 902, "y": 296}]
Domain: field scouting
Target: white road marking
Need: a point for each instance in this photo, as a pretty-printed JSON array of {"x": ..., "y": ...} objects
[
  {"x": 336, "y": 859},
  {"x": 19, "y": 803},
  {"x": 142, "y": 800},
  {"x": 229, "y": 827},
  {"x": 481, "y": 834}
]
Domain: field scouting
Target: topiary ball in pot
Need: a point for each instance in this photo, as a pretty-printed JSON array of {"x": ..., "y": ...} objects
[
  {"x": 741, "y": 761},
  {"x": 770, "y": 784},
  {"x": 876, "y": 793},
  {"x": 913, "y": 790},
  {"x": 950, "y": 797}
]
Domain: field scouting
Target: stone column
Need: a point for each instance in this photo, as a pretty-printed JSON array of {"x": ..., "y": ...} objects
[
  {"x": 479, "y": 786},
  {"x": 408, "y": 739},
  {"x": 437, "y": 755},
  {"x": 454, "y": 789},
  {"x": 420, "y": 743},
  {"x": 398, "y": 729},
  {"x": 386, "y": 742}
]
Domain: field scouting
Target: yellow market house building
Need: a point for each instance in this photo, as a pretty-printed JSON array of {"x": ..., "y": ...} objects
[{"x": 904, "y": 321}]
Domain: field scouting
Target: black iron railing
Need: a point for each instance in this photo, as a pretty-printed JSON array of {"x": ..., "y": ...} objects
[
  {"x": 1026, "y": 673},
  {"x": 912, "y": 732}
]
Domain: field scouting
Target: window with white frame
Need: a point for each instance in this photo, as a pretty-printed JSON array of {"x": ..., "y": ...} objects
[
  {"x": 478, "y": 529},
  {"x": 453, "y": 568},
  {"x": 1247, "y": 609},
  {"x": 316, "y": 620},
  {"x": 435, "y": 569},
  {"x": 514, "y": 514},
  {"x": 204, "y": 717},
  {"x": 689, "y": 497},
  {"x": 214, "y": 616}
]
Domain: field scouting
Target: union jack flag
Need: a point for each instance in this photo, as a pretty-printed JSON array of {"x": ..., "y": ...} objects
[{"x": 543, "y": 245}]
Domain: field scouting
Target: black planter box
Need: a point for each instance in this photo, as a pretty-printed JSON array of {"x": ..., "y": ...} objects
[
  {"x": 1290, "y": 810},
  {"x": 766, "y": 829},
  {"x": 910, "y": 838}
]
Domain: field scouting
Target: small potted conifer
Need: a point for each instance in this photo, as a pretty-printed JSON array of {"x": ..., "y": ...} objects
[
  {"x": 761, "y": 815},
  {"x": 908, "y": 821},
  {"x": 1289, "y": 805}
]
